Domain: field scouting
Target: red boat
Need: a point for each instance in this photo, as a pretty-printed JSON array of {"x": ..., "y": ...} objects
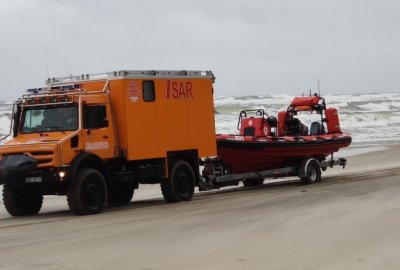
[{"x": 266, "y": 142}]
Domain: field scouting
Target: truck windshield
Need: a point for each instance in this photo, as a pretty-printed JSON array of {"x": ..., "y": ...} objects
[{"x": 47, "y": 119}]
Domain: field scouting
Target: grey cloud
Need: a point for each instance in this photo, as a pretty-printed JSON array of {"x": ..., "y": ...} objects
[{"x": 253, "y": 47}]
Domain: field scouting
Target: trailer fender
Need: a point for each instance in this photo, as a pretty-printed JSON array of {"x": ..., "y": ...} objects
[
  {"x": 310, "y": 171},
  {"x": 302, "y": 171},
  {"x": 86, "y": 160}
]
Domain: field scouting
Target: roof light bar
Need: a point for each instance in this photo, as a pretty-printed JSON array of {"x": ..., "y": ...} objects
[
  {"x": 52, "y": 99},
  {"x": 31, "y": 101},
  {"x": 42, "y": 101},
  {"x": 55, "y": 88},
  {"x": 34, "y": 90},
  {"x": 67, "y": 87},
  {"x": 64, "y": 98}
]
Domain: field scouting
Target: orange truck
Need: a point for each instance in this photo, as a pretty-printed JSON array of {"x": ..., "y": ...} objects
[{"x": 95, "y": 138}]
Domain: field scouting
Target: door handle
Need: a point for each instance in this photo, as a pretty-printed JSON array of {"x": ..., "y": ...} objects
[{"x": 105, "y": 137}]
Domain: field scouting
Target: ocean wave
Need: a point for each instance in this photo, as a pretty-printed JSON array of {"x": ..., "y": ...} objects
[{"x": 367, "y": 117}]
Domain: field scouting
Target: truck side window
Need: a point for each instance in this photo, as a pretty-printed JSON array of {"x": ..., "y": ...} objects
[
  {"x": 148, "y": 91},
  {"x": 94, "y": 116}
]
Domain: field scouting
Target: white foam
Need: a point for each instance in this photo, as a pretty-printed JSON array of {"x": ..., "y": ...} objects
[
  {"x": 367, "y": 117},
  {"x": 5, "y": 125}
]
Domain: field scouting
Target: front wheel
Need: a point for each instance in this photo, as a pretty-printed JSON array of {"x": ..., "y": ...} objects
[
  {"x": 21, "y": 202},
  {"x": 87, "y": 194},
  {"x": 180, "y": 185},
  {"x": 312, "y": 172}
]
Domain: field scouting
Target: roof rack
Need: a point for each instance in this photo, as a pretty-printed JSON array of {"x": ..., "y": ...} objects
[{"x": 126, "y": 74}]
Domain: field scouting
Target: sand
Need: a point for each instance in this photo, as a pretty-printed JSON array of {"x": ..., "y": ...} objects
[{"x": 348, "y": 221}]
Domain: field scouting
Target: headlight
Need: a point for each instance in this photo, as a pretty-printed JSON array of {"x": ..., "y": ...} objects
[{"x": 61, "y": 175}]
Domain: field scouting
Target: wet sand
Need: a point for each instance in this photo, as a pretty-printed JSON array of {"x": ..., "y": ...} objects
[{"x": 348, "y": 221}]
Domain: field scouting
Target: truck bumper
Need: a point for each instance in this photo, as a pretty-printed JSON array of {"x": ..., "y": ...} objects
[
  {"x": 21, "y": 170},
  {"x": 14, "y": 167},
  {"x": 31, "y": 178}
]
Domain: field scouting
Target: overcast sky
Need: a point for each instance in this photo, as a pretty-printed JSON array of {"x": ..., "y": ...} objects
[{"x": 253, "y": 47}]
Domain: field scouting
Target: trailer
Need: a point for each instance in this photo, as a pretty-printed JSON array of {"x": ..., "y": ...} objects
[{"x": 216, "y": 174}]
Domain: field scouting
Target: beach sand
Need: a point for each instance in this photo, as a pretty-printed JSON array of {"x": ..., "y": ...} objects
[{"x": 348, "y": 221}]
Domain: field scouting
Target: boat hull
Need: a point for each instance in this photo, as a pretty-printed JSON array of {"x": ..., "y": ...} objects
[{"x": 247, "y": 154}]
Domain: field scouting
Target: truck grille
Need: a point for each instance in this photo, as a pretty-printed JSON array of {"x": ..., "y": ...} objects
[{"x": 44, "y": 158}]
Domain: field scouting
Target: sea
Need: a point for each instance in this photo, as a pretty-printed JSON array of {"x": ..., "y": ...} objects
[{"x": 371, "y": 119}]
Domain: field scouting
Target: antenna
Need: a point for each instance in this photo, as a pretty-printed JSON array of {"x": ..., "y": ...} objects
[
  {"x": 294, "y": 83},
  {"x": 66, "y": 65},
  {"x": 47, "y": 68},
  {"x": 319, "y": 89}
]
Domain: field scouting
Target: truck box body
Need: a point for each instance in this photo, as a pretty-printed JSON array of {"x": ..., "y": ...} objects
[{"x": 180, "y": 116}]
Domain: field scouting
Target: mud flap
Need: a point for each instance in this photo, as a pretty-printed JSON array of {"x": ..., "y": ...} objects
[{"x": 15, "y": 166}]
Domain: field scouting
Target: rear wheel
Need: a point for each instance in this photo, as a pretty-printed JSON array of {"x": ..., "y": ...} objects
[
  {"x": 21, "y": 202},
  {"x": 253, "y": 182},
  {"x": 312, "y": 172},
  {"x": 180, "y": 185},
  {"x": 87, "y": 194},
  {"x": 123, "y": 195}
]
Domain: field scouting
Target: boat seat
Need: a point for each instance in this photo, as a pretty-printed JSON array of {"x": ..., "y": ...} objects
[
  {"x": 272, "y": 121},
  {"x": 316, "y": 128},
  {"x": 305, "y": 130},
  {"x": 293, "y": 126}
]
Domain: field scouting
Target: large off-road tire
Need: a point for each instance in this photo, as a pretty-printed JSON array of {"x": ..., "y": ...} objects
[
  {"x": 21, "y": 202},
  {"x": 312, "y": 172},
  {"x": 87, "y": 194},
  {"x": 253, "y": 182},
  {"x": 180, "y": 184},
  {"x": 122, "y": 195}
]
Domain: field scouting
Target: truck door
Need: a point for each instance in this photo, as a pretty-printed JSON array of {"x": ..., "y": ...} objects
[{"x": 98, "y": 130}]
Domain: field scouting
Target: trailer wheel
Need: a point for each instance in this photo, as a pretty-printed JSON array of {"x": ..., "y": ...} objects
[
  {"x": 87, "y": 194},
  {"x": 123, "y": 195},
  {"x": 312, "y": 172},
  {"x": 21, "y": 202},
  {"x": 253, "y": 182},
  {"x": 180, "y": 185}
]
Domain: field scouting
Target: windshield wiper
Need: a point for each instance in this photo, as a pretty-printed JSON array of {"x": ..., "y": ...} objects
[
  {"x": 41, "y": 132},
  {"x": 58, "y": 129}
]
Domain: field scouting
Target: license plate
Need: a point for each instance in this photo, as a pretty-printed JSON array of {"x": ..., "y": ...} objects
[{"x": 33, "y": 179}]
